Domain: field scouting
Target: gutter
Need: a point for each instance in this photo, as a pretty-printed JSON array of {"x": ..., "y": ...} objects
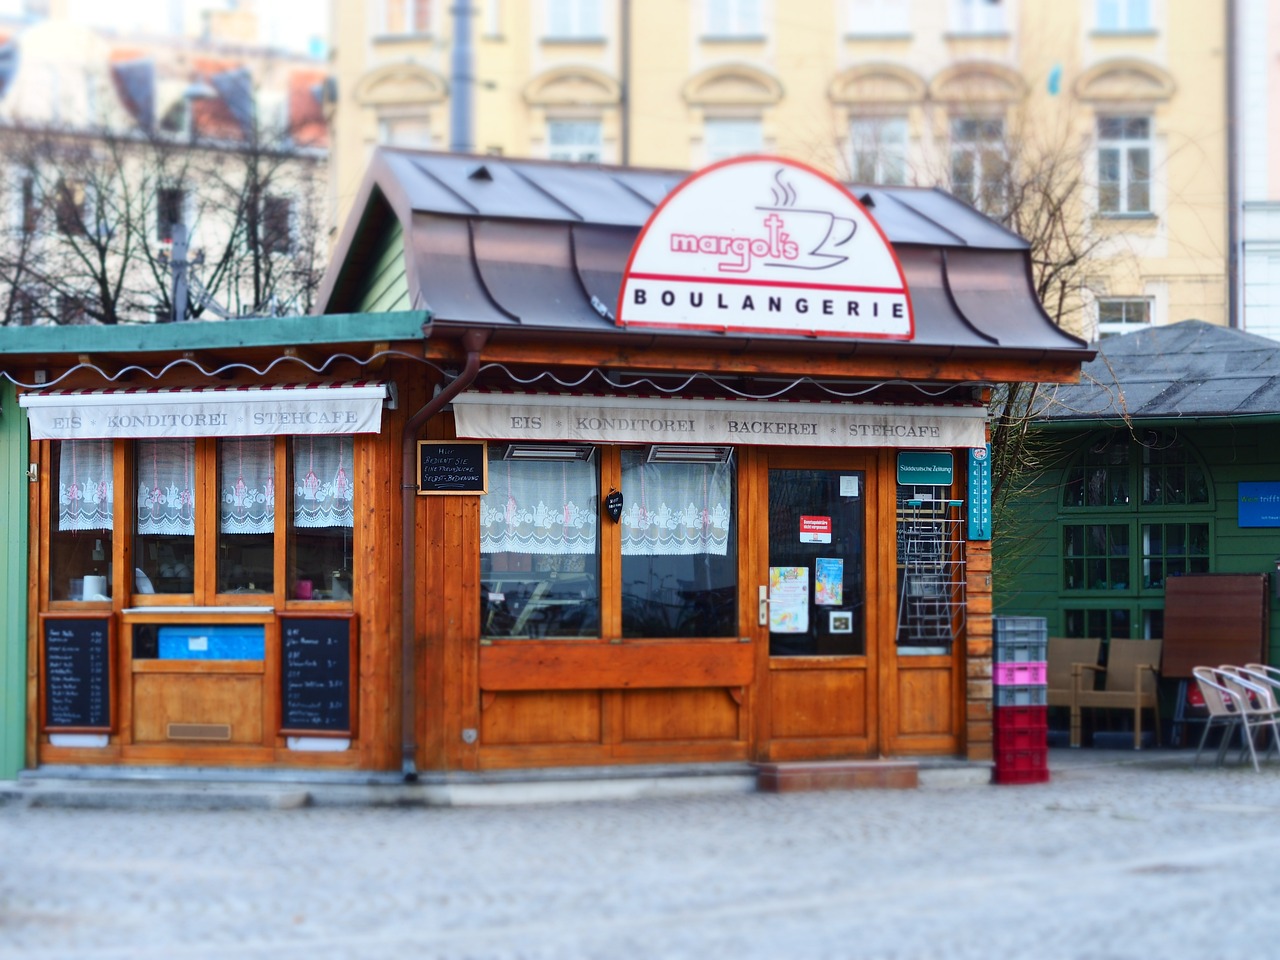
[
  {"x": 1260, "y": 419},
  {"x": 473, "y": 342}
]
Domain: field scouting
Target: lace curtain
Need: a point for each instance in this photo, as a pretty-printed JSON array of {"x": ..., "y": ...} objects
[
  {"x": 166, "y": 487},
  {"x": 322, "y": 492},
  {"x": 246, "y": 485},
  {"x": 539, "y": 507},
  {"x": 675, "y": 509},
  {"x": 86, "y": 487}
]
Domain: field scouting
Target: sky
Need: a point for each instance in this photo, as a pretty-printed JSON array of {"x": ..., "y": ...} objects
[{"x": 289, "y": 24}]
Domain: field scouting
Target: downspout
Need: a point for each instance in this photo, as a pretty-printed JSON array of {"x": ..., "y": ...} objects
[
  {"x": 473, "y": 342},
  {"x": 624, "y": 41},
  {"x": 1234, "y": 160}
]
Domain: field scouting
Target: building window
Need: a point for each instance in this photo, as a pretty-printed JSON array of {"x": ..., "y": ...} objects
[
  {"x": 411, "y": 130},
  {"x": 406, "y": 16},
  {"x": 171, "y": 203},
  {"x": 574, "y": 19},
  {"x": 1124, "y": 16},
  {"x": 879, "y": 147},
  {"x": 246, "y": 515},
  {"x": 83, "y": 520},
  {"x": 576, "y": 141},
  {"x": 734, "y": 18},
  {"x": 69, "y": 207},
  {"x": 320, "y": 517},
  {"x": 725, "y": 137},
  {"x": 1095, "y": 556},
  {"x": 277, "y": 225},
  {"x": 977, "y": 16},
  {"x": 878, "y": 18},
  {"x": 1116, "y": 315},
  {"x": 71, "y": 309},
  {"x": 1173, "y": 549},
  {"x": 24, "y": 209},
  {"x": 1124, "y": 165},
  {"x": 978, "y": 163}
]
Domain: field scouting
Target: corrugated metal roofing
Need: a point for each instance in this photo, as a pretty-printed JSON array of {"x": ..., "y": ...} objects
[
  {"x": 1187, "y": 369},
  {"x": 525, "y": 243}
]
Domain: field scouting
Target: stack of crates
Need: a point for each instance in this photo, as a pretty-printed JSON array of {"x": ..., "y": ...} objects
[{"x": 1021, "y": 696}]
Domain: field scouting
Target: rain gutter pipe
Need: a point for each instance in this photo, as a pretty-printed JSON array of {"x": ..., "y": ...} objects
[{"x": 473, "y": 342}]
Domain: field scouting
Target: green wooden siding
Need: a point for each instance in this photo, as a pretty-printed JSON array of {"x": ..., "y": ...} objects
[
  {"x": 386, "y": 288},
  {"x": 1028, "y": 544},
  {"x": 13, "y": 584}
]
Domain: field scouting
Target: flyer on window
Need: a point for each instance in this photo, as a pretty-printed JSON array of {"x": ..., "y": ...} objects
[
  {"x": 789, "y": 599},
  {"x": 828, "y": 578}
]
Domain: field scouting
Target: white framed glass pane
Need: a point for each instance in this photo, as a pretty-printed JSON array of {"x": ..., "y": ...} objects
[
  {"x": 165, "y": 517},
  {"x": 879, "y": 149},
  {"x": 576, "y": 141},
  {"x": 320, "y": 551},
  {"x": 246, "y": 515},
  {"x": 870, "y": 18},
  {"x": 726, "y": 138}
]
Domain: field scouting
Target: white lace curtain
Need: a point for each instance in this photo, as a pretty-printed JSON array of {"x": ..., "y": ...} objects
[
  {"x": 323, "y": 495},
  {"x": 166, "y": 487},
  {"x": 246, "y": 485},
  {"x": 86, "y": 486},
  {"x": 539, "y": 507},
  {"x": 675, "y": 509}
]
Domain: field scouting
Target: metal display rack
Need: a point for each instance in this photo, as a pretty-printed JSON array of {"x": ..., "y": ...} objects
[{"x": 931, "y": 576}]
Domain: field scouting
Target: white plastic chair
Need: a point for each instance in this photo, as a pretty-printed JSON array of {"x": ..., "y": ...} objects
[
  {"x": 1222, "y": 710},
  {"x": 1254, "y": 698}
]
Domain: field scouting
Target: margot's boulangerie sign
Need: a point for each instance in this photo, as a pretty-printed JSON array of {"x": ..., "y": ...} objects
[{"x": 765, "y": 245}]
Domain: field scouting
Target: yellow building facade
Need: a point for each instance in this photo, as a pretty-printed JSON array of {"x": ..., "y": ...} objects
[{"x": 1119, "y": 107}]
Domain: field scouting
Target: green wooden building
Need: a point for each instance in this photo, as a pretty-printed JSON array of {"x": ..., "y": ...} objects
[{"x": 1157, "y": 464}]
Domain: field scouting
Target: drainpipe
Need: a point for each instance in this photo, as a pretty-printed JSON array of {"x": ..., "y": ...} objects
[
  {"x": 1235, "y": 240},
  {"x": 473, "y": 342}
]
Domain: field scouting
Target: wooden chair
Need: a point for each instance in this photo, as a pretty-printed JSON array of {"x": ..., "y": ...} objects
[
  {"x": 1067, "y": 658},
  {"x": 1129, "y": 684}
]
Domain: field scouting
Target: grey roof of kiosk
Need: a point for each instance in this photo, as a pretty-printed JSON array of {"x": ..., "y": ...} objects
[
  {"x": 500, "y": 243},
  {"x": 1187, "y": 371}
]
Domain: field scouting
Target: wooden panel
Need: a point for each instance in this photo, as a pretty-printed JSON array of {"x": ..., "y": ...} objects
[
  {"x": 705, "y": 714},
  {"x": 1213, "y": 618},
  {"x": 924, "y": 700},
  {"x": 818, "y": 703},
  {"x": 162, "y": 699},
  {"x": 541, "y": 718},
  {"x": 588, "y": 666}
]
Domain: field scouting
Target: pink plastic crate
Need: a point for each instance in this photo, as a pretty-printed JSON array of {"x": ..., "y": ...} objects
[{"x": 1024, "y": 674}]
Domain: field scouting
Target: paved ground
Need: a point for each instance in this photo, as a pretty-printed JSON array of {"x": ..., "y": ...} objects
[{"x": 1111, "y": 859}]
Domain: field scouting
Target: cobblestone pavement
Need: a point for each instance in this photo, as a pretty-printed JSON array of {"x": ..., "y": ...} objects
[{"x": 1118, "y": 860}]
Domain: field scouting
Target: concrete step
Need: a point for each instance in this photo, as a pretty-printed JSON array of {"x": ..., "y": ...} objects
[{"x": 838, "y": 775}]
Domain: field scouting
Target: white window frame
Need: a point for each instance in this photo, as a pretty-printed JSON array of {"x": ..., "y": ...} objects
[
  {"x": 1136, "y": 314},
  {"x": 1128, "y": 147},
  {"x": 879, "y": 18},
  {"x": 720, "y": 144},
  {"x": 411, "y": 28},
  {"x": 880, "y": 143},
  {"x": 389, "y": 118},
  {"x": 574, "y": 20},
  {"x": 978, "y": 16},
  {"x": 1123, "y": 16},
  {"x": 571, "y": 148},
  {"x": 981, "y": 156},
  {"x": 734, "y": 18}
]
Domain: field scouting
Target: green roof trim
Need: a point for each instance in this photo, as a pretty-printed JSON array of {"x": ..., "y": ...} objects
[{"x": 216, "y": 335}]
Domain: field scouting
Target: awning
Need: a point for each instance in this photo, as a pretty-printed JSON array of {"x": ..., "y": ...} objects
[
  {"x": 484, "y": 416},
  {"x": 248, "y": 411}
]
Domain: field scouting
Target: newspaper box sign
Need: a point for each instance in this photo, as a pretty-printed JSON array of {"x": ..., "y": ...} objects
[{"x": 765, "y": 245}]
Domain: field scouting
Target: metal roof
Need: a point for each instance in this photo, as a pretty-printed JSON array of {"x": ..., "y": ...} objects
[
  {"x": 491, "y": 241},
  {"x": 1190, "y": 369}
]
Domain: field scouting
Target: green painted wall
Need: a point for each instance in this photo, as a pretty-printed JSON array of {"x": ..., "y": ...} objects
[
  {"x": 1028, "y": 548},
  {"x": 13, "y": 584},
  {"x": 385, "y": 287}
]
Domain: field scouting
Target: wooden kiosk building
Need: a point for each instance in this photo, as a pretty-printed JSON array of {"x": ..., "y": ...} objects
[{"x": 582, "y": 466}]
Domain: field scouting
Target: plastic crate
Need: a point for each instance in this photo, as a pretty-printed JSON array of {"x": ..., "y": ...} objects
[
  {"x": 1021, "y": 718},
  {"x": 1021, "y": 650},
  {"x": 1019, "y": 628},
  {"x": 1019, "y": 776},
  {"x": 1031, "y": 674},
  {"x": 1021, "y": 695},
  {"x": 1037, "y": 759},
  {"x": 1023, "y": 739}
]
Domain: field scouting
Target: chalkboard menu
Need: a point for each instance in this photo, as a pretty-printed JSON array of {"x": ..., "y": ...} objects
[
  {"x": 317, "y": 674},
  {"x": 453, "y": 466},
  {"x": 77, "y": 655}
]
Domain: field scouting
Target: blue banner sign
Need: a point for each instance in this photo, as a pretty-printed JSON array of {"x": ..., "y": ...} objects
[
  {"x": 1259, "y": 504},
  {"x": 980, "y": 493}
]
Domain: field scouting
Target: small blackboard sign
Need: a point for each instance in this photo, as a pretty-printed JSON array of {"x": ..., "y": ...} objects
[
  {"x": 453, "y": 466},
  {"x": 77, "y": 652},
  {"x": 317, "y": 674}
]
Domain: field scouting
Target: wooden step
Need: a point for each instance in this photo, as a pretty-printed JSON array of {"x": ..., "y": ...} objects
[{"x": 838, "y": 775}]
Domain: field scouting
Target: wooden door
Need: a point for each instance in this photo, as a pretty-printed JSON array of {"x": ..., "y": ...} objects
[{"x": 817, "y": 571}]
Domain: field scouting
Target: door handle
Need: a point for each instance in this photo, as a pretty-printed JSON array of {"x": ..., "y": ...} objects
[{"x": 764, "y": 606}]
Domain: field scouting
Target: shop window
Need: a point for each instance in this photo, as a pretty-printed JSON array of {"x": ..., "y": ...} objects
[
  {"x": 679, "y": 557},
  {"x": 246, "y": 515},
  {"x": 540, "y": 543},
  {"x": 979, "y": 165},
  {"x": 879, "y": 147},
  {"x": 575, "y": 141},
  {"x": 1124, "y": 165},
  {"x": 1124, "y": 16},
  {"x": 321, "y": 518},
  {"x": 83, "y": 517},
  {"x": 165, "y": 518}
]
